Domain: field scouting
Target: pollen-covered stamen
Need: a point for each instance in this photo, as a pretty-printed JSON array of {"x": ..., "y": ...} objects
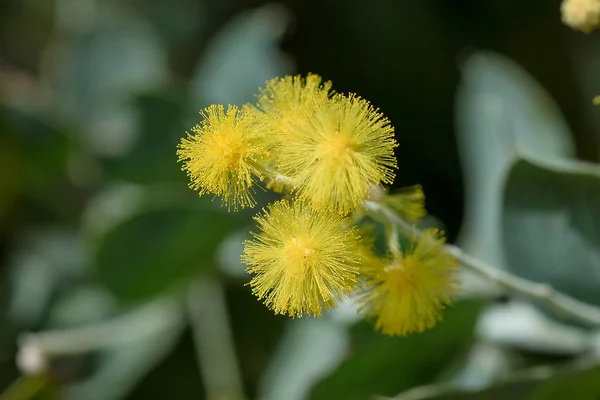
[
  {"x": 336, "y": 148},
  {"x": 228, "y": 151},
  {"x": 300, "y": 250},
  {"x": 401, "y": 278}
]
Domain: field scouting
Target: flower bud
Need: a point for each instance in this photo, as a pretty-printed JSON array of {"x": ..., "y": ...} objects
[{"x": 581, "y": 15}]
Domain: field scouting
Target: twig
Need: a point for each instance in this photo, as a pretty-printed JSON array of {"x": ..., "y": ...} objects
[
  {"x": 562, "y": 304},
  {"x": 393, "y": 239},
  {"x": 154, "y": 317}
]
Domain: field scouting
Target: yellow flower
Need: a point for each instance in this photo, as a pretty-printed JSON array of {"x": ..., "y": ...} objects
[
  {"x": 280, "y": 102},
  {"x": 283, "y": 97},
  {"x": 303, "y": 260},
  {"x": 408, "y": 294},
  {"x": 220, "y": 157},
  {"x": 337, "y": 152},
  {"x": 409, "y": 202},
  {"x": 582, "y": 15}
]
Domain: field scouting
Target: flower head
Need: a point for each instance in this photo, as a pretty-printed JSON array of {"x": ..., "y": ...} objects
[
  {"x": 408, "y": 294},
  {"x": 219, "y": 157},
  {"x": 337, "y": 151},
  {"x": 304, "y": 261},
  {"x": 582, "y": 15},
  {"x": 408, "y": 202},
  {"x": 282, "y": 99}
]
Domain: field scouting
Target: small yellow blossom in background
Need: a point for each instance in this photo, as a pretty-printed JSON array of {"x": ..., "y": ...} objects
[
  {"x": 408, "y": 294},
  {"x": 409, "y": 202},
  {"x": 337, "y": 151},
  {"x": 220, "y": 156},
  {"x": 304, "y": 261},
  {"x": 581, "y": 15},
  {"x": 365, "y": 250},
  {"x": 596, "y": 101}
]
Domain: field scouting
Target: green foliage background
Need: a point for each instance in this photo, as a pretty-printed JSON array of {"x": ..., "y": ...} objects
[{"x": 96, "y": 221}]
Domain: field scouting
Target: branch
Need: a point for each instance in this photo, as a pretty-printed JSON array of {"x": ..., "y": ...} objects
[{"x": 562, "y": 304}]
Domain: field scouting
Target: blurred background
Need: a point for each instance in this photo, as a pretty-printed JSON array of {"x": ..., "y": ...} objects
[{"x": 118, "y": 282}]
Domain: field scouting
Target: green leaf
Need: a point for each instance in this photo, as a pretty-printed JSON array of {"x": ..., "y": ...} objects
[
  {"x": 551, "y": 225},
  {"x": 177, "y": 370},
  {"x": 501, "y": 114},
  {"x": 581, "y": 385},
  {"x": 388, "y": 365},
  {"x": 241, "y": 57},
  {"x": 513, "y": 390},
  {"x": 153, "y": 158},
  {"x": 97, "y": 71},
  {"x": 156, "y": 250},
  {"x": 536, "y": 384},
  {"x": 33, "y": 157}
]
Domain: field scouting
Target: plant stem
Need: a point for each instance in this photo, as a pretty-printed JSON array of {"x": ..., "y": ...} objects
[
  {"x": 562, "y": 304},
  {"x": 215, "y": 348},
  {"x": 393, "y": 240},
  {"x": 272, "y": 174}
]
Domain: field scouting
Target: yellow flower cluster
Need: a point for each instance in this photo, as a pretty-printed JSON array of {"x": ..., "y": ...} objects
[{"x": 330, "y": 155}]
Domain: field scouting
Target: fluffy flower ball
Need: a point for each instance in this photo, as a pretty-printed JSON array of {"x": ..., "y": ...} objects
[
  {"x": 337, "y": 152},
  {"x": 407, "y": 294},
  {"x": 221, "y": 154},
  {"x": 303, "y": 261}
]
